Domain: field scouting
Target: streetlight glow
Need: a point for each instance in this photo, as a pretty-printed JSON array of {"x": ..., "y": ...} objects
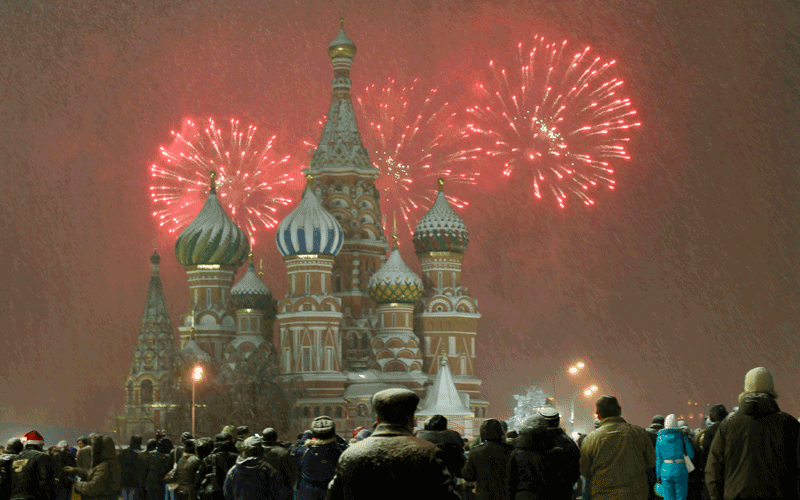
[
  {"x": 198, "y": 373},
  {"x": 573, "y": 370},
  {"x": 587, "y": 392},
  {"x": 593, "y": 388},
  {"x": 580, "y": 364}
]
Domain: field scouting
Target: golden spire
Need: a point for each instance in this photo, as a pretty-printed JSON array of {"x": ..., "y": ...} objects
[
  {"x": 250, "y": 255},
  {"x": 341, "y": 20},
  {"x": 441, "y": 184},
  {"x": 213, "y": 176},
  {"x": 261, "y": 267},
  {"x": 443, "y": 356},
  {"x": 394, "y": 235}
]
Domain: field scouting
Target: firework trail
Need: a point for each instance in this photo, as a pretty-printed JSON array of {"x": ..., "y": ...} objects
[
  {"x": 252, "y": 182},
  {"x": 559, "y": 114},
  {"x": 410, "y": 134}
]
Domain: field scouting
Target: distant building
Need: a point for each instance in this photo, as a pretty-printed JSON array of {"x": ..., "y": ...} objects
[{"x": 353, "y": 322}]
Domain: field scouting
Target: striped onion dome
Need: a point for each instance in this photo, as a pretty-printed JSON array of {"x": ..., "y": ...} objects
[
  {"x": 212, "y": 237},
  {"x": 395, "y": 282},
  {"x": 309, "y": 230},
  {"x": 441, "y": 229},
  {"x": 250, "y": 292}
]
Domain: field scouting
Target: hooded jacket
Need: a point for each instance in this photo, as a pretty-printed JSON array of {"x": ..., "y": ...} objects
[
  {"x": 755, "y": 452},
  {"x": 488, "y": 462},
  {"x": 615, "y": 459},
  {"x": 187, "y": 475},
  {"x": 217, "y": 465},
  {"x": 671, "y": 445},
  {"x": 158, "y": 466},
  {"x": 449, "y": 441},
  {"x": 103, "y": 482},
  {"x": 252, "y": 478},
  {"x": 537, "y": 468}
]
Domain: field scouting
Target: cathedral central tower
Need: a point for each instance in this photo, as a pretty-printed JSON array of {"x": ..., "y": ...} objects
[{"x": 344, "y": 182}]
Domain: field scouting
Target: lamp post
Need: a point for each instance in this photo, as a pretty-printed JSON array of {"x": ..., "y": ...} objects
[
  {"x": 588, "y": 392},
  {"x": 197, "y": 375}
]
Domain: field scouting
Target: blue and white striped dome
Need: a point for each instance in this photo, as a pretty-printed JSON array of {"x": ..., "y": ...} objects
[{"x": 309, "y": 229}]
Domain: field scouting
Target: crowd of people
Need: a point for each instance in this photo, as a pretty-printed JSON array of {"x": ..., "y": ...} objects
[{"x": 751, "y": 452}]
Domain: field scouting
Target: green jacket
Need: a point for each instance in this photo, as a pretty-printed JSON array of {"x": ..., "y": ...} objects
[{"x": 615, "y": 459}]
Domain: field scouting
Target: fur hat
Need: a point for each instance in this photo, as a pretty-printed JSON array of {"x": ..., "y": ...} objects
[
  {"x": 534, "y": 424},
  {"x": 395, "y": 406},
  {"x": 682, "y": 424},
  {"x": 717, "y": 413},
  {"x": 658, "y": 420},
  {"x": 323, "y": 427},
  {"x": 671, "y": 422},
  {"x": 760, "y": 380},
  {"x": 33, "y": 437},
  {"x": 551, "y": 416},
  {"x": 269, "y": 435}
]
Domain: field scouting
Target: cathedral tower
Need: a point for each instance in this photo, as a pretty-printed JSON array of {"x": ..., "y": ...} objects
[
  {"x": 447, "y": 315},
  {"x": 211, "y": 249},
  {"x": 151, "y": 368},
  {"x": 344, "y": 181}
]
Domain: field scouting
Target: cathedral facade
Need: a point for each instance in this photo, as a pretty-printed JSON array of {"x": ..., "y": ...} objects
[{"x": 353, "y": 321}]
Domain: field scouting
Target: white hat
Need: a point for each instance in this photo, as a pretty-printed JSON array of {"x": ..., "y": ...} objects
[
  {"x": 760, "y": 380},
  {"x": 671, "y": 422}
]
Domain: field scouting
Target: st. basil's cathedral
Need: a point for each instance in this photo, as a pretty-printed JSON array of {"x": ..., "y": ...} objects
[{"x": 353, "y": 321}]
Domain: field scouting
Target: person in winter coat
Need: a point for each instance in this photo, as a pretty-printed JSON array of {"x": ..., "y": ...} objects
[
  {"x": 755, "y": 450},
  {"x": 157, "y": 468},
  {"x": 572, "y": 472},
  {"x": 13, "y": 448},
  {"x": 615, "y": 457},
  {"x": 133, "y": 469},
  {"x": 278, "y": 457},
  {"x": 449, "y": 441},
  {"x": 177, "y": 452},
  {"x": 216, "y": 467},
  {"x": 488, "y": 461},
  {"x": 656, "y": 425},
  {"x": 716, "y": 415},
  {"x": 252, "y": 478},
  {"x": 538, "y": 467},
  {"x": 392, "y": 464},
  {"x": 187, "y": 472},
  {"x": 671, "y": 471},
  {"x": 103, "y": 480},
  {"x": 83, "y": 460},
  {"x": 32, "y": 474},
  {"x": 317, "y": 459}
]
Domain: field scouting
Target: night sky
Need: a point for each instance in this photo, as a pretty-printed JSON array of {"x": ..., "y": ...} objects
[{"x": 671, "y": 287}]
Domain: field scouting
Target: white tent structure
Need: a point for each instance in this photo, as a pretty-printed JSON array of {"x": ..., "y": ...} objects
[{"x": 443, "y": 399}]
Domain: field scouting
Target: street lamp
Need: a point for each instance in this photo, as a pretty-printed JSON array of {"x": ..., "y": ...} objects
[
  {"x": 197, "y": 375},
  {"x": 588, "y": 392}
]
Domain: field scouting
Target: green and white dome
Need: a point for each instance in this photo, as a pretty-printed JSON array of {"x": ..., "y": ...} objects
[{"x": 395, "y": 282}]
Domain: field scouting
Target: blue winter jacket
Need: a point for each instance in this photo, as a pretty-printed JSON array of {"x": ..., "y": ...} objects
[{"x": 671, "y": 444}]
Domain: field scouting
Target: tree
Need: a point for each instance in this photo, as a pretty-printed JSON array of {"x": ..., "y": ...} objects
[{"x": 527, "y": 405}]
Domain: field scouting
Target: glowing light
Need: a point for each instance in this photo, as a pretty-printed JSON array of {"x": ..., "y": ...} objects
[
  {"x": 593, "y": 388},
  {"x": 587, "y": 392},
  {"x": 252, "y": 182},
  {"x": 580, "y": 364},
  {"x": 409, "y": 132},
  {"x": 573, "y": 370},
  {"x": 556, "y": 115},
  {"x": 198, "y": 373}
]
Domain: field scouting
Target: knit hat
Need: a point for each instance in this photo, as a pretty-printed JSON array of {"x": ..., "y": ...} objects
[
  {"x": 717, "y": 413},
  {"x": 760, "y": 380},
  {"x": 671, "y": 422},
  {"x": 33, "y": 437},
  {"x": 323, "y": 427}
]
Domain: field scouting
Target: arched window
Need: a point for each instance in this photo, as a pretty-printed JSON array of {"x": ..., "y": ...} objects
[
  {"x": 322, "y": 281},
  {"x": 394, "y": 320},
  {"x": 306, "y": 412},
  {"x": 337, "y": 284},
  {"x": 130, "y": 393},
  {"x": 208, "y": 298},
  {"x": 328, "y": 411},
  {"x": 316, "y": 412},
  {"x": 146, "y": 395},
  {"x": 308, "y": 284},
  {"x": 439, "y": 283},
  {"x": 339, "y": 412}
]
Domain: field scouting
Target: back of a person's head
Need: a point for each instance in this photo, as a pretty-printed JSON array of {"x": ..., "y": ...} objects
[
  {"x": 269, "y": 435},
  {"x": 491, "y": 430},
  {"x": 204, "y": 447},
  {"x": 151, "y": 444},
  {"x": 658, "y": 421},
  {"x": 14, "y": 446},
  {"x": 395, "y": 406},
  {"x": 185, "y": 437},
  {"x": 252, "y": 447},
  {"x": 437, "y": 423},
  {"x": 717, "y": 413},
  {"x": 190, "y": 446},
  {"x": 608, "y": 406},
  {"x": 135, "y": 442},
  {"x": 164, "y": 446}
]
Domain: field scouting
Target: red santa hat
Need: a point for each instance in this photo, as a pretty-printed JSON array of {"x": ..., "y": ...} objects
[{"x": 33, "y": 437}]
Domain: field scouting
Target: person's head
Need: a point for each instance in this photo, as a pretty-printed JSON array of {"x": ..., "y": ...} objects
[
  {"x": 551, "y": 417},
  {"x": 14, "y": 446},
  {"x": 717, "y": 413},
  {"x": 395, "y": 406},
  {"x": 151, "y": 444},
  {"x": 504, "y": 423},
  {"x": 164, "y": 446},
  {"x": 185, "y": 437},
  {"x": 323, "y": 427},
  {"x": 436, "y": 423},
  {"x": 512, "y": 434},
  {"x": 83, "y": 441},
  {"x": 597, "y": 423},
  {"x": 658, "y": 422},
  {"x": 362, "y": 435},
  {"x": 252, "y": 447},
  {"x": 204, "y": 447},
  {"x": 491, "y": 430},
  {"x": 671, "y": 422},
  {"x": 135, "y": 443},
  {"x": 759, "y": 381},
  {"x": 534, "y": 424},
  {"x": 34, "y": 440},
  {"x": 608, "y": 406},
  {"x": 242, "y": 431},
  {"x": 190, "y": 446},
  {"x": 269, "y": 435}
]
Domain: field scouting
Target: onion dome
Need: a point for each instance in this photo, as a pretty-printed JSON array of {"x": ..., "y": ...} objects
[
  {"x": 212, "y": 237},
  {"x": 395, "y": 282},
  {"x": 155, "y": 259},
  {"x": 441, "y": 229},
  {"x": 309, "y": 230},
  {"x": 342, "y": 46},
  {"x": 250, "y": 292}
]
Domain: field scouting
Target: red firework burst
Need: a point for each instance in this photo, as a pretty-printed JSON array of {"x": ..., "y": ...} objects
[
  {"x": 252, "y": 182},
  {"x": 559, "y": 114}
]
